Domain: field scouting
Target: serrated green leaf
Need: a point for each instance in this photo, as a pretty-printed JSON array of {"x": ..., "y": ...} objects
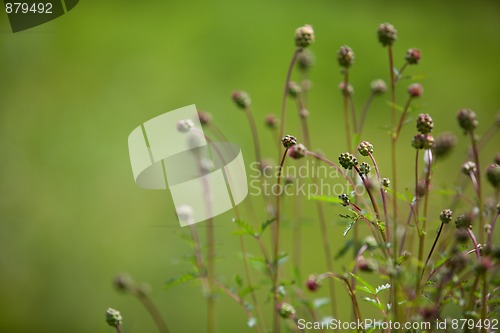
[
  {"x": 264, "y": 225},
  {"x": 382, "y": 287},
  {"x": 180, "y": 280},
  {"x": 364, "y": 283},
  {"x": 245, "y": 228}
]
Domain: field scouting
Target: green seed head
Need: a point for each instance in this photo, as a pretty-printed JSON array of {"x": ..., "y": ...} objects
[
  {"x": 365, "y": 148},
  {"x": 348, "y": 161},
  {"x": 446, "y": 216},
  {"x": 285, "y": 310},
  {"x": 113, "y": 317},
  {"x": 364, "y": 168}
]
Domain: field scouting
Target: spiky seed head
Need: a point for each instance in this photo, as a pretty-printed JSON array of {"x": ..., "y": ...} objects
[
  {"x": 364, "y": 168},
  {"x": 424, "y": 123},
  {"x": 386, "y": 182},
  {"x": 345, "y": 199},
  {"x": 285, "y": 310},
  {"x": 463, "y": 221}
]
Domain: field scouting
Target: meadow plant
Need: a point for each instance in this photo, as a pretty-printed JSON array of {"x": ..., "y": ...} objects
[{"x": 399, "y": 265}]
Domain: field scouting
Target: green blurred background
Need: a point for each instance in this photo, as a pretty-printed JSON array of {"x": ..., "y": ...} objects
[{"x": 72, "y": 90}]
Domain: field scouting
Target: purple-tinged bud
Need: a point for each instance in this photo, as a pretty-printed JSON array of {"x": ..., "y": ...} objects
[
  {"x": 415, "y": 90},
  {"x": 271, "y": 121},
  {"x": 241, "y": 99},
  {"x": 444, "y": 144},
  {"x": 366, "y": 265},
  {"x": 412, "y": 56},
  {"x": 298, "y": 151},
  {"x": 424, "y": 123},
  {"x": 205, "y": 117},
  {"x": 313, "y": 283},
  {"x": 345, "y": 56}
]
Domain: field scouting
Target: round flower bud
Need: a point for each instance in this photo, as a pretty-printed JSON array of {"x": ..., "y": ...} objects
[
  {"x": 446, "y": 216},
  {"x": 378, "y": 87},
  {"x": 313, "y": 283},
  {"x": 294, "y": 89},
  {"x": 285, "y": 310},
  {"x": 113, "y": 317},
  {"x": 303, "y": 113},
  {"x": 415, "y": 90},
  {"x": 493, "y": 175},
  {"x": 467, "y": 119},
  {"x": 387, "y": 34},
  {"x": 469, "y": 167},
  {"x": 418, "y": 141},
  {"x": 271, "y": 121},
  {"x": 444, "y": 144},
  {"x": 365, "y": 148},
  {"x": 364, "y": 168},
  {"x": 347, "y": 160},
  {"x": 412, "y": 56},
  {"x": 345, "y": 56},
  {"x": 304, "y": 36},
  {"x": 345, "y": 199},
  {"x": 289, "y": 141},
  {"x": 241, "y": 99},
  {"x": 123, "y": 282},
  {"x": 205, "y": 117},
  {"x": 298, "y": 151},
  {"x": 305, "y": 60},
  {"x": 185, "y": 125},
  {"x": 463, "y": 221},
  {"x": 366, "y": 265},
  {"x": 386, "y": 182},
  {"x": 346, "y": 91},
  {"x": 424, "y": 123}
]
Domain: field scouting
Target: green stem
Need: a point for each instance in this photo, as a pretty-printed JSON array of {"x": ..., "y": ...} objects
[
  {"x": 153, "y": 311},
  {"x": 346, "y": 110},
  {"x": 364, "y": 113}
]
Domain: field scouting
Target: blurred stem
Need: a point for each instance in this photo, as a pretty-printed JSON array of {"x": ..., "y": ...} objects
[
  {"x": 364, "y": 113},
  {"x": 431, "y": 251},
  {"x": 400, "y": 71},
  {"x": 276, "y": 247},
  {"x": 285, "y": 94},
  {"x": 346, "y": 110},
  {"x": 321, "y": 216},
  {"x": 152, "y": 310},
  {"x": 492, "y": 229},
  {"x": 255, "y": 134},
  {"x": 374, "y": 203},
  {"x": 401, "y": 120},
  {"x": 475, "y": 151},
  {"x": 354, "y": 118},
  {"x": 118, "y": 329},
  {"x": 382, "y": 194}
]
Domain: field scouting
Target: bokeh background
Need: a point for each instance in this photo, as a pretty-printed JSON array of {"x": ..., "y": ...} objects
[{"x": 72, "y": 90}]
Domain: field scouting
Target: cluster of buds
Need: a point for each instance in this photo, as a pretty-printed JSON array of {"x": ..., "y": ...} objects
[
  {"x": 298, "y": 151},
  {"x": 364, "y": 168},
  {"x": 378, "y": 87},
  {"x": 422, "y": 141},
  {"x": 285, "y": 310},
  {"x": 446, "y": 216},
  {"x": 345, "y": 199},
  {"x": 348, "y": 161},
  {"x": 289, "y": 141},
  {"x": 467, "y": 120},
  {"x": 412, "y": 56},
  {"x": 113, "y": 317},
  {"x": 345, "y": 56},
  {"x": 386, "y": 182},
  {"x": 365, "y": 148},
  {"x": 241, "y": 99},
  {"x": 387, "y": 34},
  {"x": 304, "y": 36},
  {"x": 424, "y": 123}
]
